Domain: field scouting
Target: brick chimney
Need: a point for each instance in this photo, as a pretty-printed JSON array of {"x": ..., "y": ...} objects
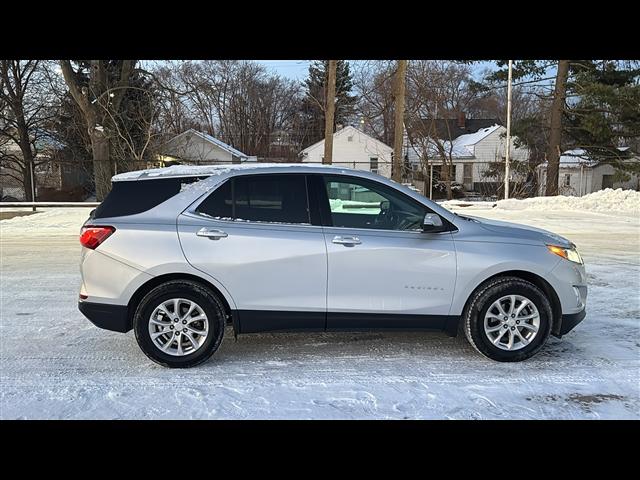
[{"x": 461, "y": 120}]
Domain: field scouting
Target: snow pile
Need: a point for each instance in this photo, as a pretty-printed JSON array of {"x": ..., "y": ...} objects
[
  {"x": 607, "y": 200},
  {"x": 59, "y": 219}
]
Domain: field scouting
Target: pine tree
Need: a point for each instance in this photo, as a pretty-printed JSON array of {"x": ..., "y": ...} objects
[
  {"x": 314, "y": 102},
  {"x": 604, "y": 113},
  {"x": 601, "y": 111}
]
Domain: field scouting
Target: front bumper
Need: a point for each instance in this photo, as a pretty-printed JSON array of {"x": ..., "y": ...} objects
[
  {"x": 109, "y": 317},
  {"x": 569, "y": 321}
]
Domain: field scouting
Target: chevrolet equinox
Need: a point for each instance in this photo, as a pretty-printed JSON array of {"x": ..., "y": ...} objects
[{"x": 177, "y": 253}]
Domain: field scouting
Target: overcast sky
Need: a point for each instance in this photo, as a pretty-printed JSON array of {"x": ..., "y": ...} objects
[
  {"x": 298, "y": 69},
  {"x": 294, "y": 69}
]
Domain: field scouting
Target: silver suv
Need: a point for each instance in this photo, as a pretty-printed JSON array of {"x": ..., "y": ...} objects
[{"x": 178, "y": 253}]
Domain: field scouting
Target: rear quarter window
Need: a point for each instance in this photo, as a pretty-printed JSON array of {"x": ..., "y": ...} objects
[{"x": 138, "y": 196}]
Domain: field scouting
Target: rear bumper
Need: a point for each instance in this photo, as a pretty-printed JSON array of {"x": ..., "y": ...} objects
[
  {"x": 569, "y": 321},
  {"x": 109, "y": 317}
]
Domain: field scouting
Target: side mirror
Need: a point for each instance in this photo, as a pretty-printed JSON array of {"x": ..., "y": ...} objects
[{"x": 432, "y": 223}]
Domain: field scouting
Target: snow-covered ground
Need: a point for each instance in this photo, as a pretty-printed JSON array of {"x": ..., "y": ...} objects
[{"x": 55, "y": 364}]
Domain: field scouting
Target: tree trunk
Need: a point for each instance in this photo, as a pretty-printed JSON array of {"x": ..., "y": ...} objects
[
  {"x": 27, "y": 156},
  {"x": 24, "y": 144},
  {"x": 101, "y": 164},
  {"x": 555, "y": 134},
  {"x": 330, "y": 106},
  {"x": 398, "y": 160},
  {"x": 26, "y": 183},
  {"x": 447, "y": 176}
]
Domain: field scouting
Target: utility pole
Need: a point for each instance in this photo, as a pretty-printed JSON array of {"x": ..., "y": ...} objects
[
  {"x": 508, "y": 146},
  {"x": 398, "y": 160},
  {"x": 329, "y": 112}
]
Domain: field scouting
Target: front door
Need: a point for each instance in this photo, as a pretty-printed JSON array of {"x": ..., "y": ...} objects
[
  {"x": 253, "y": 235},
  {"x": 383, "y": 271}
]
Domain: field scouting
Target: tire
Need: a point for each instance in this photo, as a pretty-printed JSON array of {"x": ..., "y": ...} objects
[
  {"x": 188, "y": 291},
  {"x": 483, "y": 298}
]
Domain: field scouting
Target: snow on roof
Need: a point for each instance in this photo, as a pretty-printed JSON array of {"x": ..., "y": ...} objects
[
  {"x": 473, "y": 138},
  {"x": 208, "y": 170},
  {"x": 575, "y": 158},
  {"x": 462, "y": 146},
  {"x": 579, "y": 157},
  {"x": 456, "y": 151}
]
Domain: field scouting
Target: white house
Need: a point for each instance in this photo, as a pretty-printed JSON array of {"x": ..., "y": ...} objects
[
  {"x": 354, "y": 149},
  {"x": 579, "y": 174},
  {"x": 199, "y": 148},
  {"x": 471, "y": 155}
]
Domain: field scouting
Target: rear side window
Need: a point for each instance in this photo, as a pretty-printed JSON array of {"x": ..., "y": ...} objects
[
  {"x": 219, "y": 203},
  {"x": 132, "y": 197},
  {"x": 260, "y": 198}
]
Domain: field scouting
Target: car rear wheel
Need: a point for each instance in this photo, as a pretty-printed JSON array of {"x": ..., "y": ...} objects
[
  {"x": 179, "y": 324},
  {"x": 508, "y": 319}
]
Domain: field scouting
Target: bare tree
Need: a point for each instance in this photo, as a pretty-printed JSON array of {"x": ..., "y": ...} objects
[
  {"x": 99, "y": 101},
  {"x": 399, "y": 110},
  {"x": 27, "y": 108},
  {"x": 237, "y": 101},
  {"x": 373, "y": 82},
  {"x": 436, "y": 90}
]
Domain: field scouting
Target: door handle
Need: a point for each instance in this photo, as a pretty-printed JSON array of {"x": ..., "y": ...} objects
[
  {"x": 348, "y": 241},
  {"x": 211, "y": 233}
]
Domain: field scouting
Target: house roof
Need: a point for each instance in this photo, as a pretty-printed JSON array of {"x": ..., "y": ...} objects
[
  {"x": 471, "y": 139},
  {"x": 208, "y": 138},
  {"x": 578, "y": 157},
  {"x": 575, "y": 158},
  {"x": 342, "y": 131},
  {"x": 448, "y": 128},
  {"x": 462, "y": 146}
]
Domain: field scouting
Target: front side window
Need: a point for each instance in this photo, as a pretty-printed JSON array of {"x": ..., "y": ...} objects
[
  {"x": 359, "y": 203},
  {"x": 260, "y": 198}
]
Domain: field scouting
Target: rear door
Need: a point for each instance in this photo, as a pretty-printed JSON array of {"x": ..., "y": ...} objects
[
  {"x": 383, "y": 270},
  {"x": 254, "y": 235}
]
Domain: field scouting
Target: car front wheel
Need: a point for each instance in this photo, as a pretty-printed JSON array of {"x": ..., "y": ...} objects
[{"x": 508, "y": 319}]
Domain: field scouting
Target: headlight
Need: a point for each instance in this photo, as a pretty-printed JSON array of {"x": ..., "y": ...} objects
[{"x": 570, "y": 254}]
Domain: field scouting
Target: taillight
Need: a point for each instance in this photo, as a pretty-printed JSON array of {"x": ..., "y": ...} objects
[{"x": 91, "y": 237}]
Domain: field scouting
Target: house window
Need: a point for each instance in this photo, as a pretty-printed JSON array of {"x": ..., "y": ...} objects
[
  {"x": 567, "y": 180},
  {"x": 467, "y": 173},
  {"x": 350, "y": 138},
  {"x": 441, "y": 172},
  {"x": 373, "y": 164}
]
